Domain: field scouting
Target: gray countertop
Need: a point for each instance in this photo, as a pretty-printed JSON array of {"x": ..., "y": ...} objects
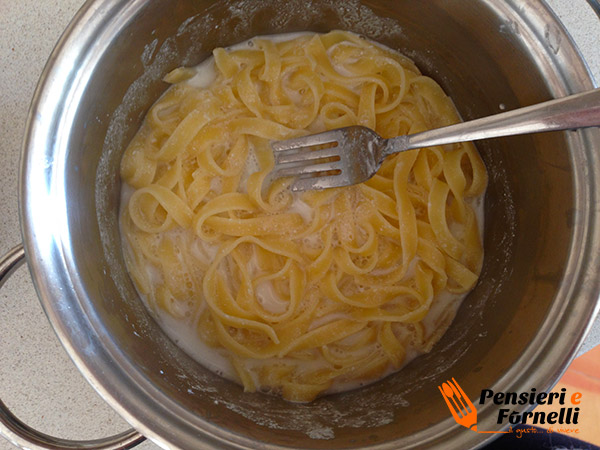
[{"x": 37, "y": 378}]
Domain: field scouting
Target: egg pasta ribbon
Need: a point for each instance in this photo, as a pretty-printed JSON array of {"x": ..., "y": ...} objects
[{"x": 304, "y": 293}]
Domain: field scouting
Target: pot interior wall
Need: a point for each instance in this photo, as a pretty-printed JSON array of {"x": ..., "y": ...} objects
[{"x": 527, "y": 214}]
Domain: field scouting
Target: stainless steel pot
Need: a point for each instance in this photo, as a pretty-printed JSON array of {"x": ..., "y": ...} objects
[{"x": 519, "y": 329}]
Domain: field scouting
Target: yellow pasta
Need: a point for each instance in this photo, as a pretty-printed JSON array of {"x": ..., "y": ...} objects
[{"x": 303, "y": 293}]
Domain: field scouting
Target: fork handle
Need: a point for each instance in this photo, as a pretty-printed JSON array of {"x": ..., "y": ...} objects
[{"x": 575, "y": 111}]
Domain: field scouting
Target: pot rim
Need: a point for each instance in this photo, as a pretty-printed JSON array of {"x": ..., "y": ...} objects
[{"x": 43, "y": 214}]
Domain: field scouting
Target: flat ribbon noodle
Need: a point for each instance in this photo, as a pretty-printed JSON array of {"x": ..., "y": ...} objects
[{"x": 301, "y": 292}]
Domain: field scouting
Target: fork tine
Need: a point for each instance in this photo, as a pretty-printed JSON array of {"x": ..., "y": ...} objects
[
  {"x": 313, "y": 158},
  {"x": 453, "y": 411},
  {"x": 467, "y": 399},
  {"x": 326, "y": 137},
  {"x": 460, "y": 409},
  {"x": 284, "y": 157},
  {"x": 459, "y": 397},
  {"x": 317, "y": 183},
  {"x": 296, "y": 170}
]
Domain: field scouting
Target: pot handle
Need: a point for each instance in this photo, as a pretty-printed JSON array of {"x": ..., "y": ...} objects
[
  {"x": 595, "y": 5},
  {"x": 23, "y": 435}
]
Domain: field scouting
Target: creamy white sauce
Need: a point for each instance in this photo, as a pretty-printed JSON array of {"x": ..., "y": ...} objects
[
  {"x": 204, "y": 251},
  {"x": 302, "y": 209},
  {"x": 268, "y": 298},
  {"x": 205, "y": 74},
  {"x": 184, "y": 332}
]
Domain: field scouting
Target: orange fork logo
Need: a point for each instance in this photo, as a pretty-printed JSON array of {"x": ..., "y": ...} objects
[{"x": 462, "y": 408}]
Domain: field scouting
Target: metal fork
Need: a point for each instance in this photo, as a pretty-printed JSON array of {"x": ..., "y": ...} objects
[{"x": 352, "y": 155}]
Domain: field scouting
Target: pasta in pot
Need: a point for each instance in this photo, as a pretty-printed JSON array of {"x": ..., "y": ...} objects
[{"x": 306, "y": 293}]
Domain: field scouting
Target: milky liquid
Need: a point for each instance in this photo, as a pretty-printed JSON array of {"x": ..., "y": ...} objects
[{"x": 183, "y": 331}]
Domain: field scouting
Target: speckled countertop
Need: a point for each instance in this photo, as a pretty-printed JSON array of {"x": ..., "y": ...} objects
[{"x": 37, "y": 378}]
